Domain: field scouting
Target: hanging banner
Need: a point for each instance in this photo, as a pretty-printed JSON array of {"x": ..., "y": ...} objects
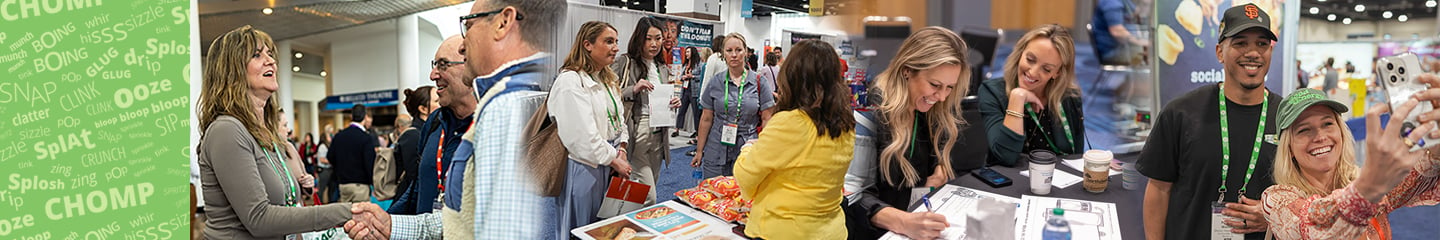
[
  {"x": 96, "y": 107},
  {"x": 817, "y": 8},
  {"x": 747, "y": 8},
  {"x": 796, "y": 37},
  {"x": 1186, "y": 45},
  {"x": 693, "y": 34}
]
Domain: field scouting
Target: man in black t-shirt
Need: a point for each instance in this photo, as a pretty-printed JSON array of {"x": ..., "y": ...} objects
[{"x": 1186, "y": 155}]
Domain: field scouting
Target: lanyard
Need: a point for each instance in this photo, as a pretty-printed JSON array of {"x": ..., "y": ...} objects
[
  {"x": 288, "y": 180},
  {"x": 740, "y": 98},
  {"x": 914, "y": 133},
  {"x": 1064, "y": 121},
  {"x": 439, "y": 159},
  {"x": 613, "y": 114},
  {"x": 1225, "y": 143}
]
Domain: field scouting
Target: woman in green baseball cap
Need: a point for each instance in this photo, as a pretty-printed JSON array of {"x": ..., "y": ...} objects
[{"x": 1321, "y": 193}]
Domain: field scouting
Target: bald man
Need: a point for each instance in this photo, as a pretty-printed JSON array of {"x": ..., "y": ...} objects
[{"x": 453, "y": 118}]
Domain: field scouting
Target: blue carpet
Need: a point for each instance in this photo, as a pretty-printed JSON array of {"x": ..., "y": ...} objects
[
  {"x": 1415, "y": 222},
  {"x": 676, "y": 176}
]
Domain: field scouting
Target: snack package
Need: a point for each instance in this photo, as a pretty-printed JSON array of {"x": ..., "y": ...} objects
[
  {"x": 722, "y": 186},
  {"x": 695, "y": 196},
  {"x": 729, "y": 214}
]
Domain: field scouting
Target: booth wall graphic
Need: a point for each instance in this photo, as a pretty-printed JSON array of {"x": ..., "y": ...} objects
[
  {"x": 95, "y": 111},
  {"x": 1186, "y": 40}
]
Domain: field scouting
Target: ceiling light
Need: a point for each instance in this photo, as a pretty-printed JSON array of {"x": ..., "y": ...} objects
[
  {"x": 1403, "y": 18},
  {"x": 1322, "y": 0},
  {"x": 1330, "y": 17},
  {"x": 804, "y": 5},
  {"x": 1359, "y": 7},
  {"x": 1314, "y": 10},
  {"x": 1387, "y": 14},
  {"x": 1430, "y": 3},
  {"x": 322, "y": 73},
  {"x": 1346, "y": 21},
  {"x": 267, "y": 11},
  {"x": 295, "y": 68},
  {"x": 299, "y": 55}
]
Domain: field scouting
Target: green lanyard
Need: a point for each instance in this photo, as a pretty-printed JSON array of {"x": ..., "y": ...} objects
[
  {"x": 739, "y": 96},
  {"x": 288, "y": 181},
  {"x": 914, "y": 133},
  {"x": 1225, "y": 143},
  {"x": 612, "y": 113},
  {"x": 1064, "y": 121}
]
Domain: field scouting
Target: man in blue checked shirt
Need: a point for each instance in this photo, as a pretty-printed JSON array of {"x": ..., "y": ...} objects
[{"x": 488, "y": 194}]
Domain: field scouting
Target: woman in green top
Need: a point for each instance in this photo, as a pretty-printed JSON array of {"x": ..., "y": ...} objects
[{"x": 1035, "y": 104}]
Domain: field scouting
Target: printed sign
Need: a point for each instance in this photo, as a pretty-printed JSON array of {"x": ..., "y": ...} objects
[
  {"x": 96, "y": 108},
  {"x": 1186, "y": 45}
]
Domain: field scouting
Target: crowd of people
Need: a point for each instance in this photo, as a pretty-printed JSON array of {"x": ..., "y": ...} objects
[{"x": 784, "y": 130}]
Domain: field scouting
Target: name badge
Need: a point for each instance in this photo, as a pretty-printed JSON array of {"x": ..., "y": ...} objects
[
  {"x": 1218, "y": 229},
  {"x": 728, "y": 134},
  {"x": 439, "y": 202}
]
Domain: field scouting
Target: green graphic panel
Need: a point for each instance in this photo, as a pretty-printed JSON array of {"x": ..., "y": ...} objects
[{"x": 94, "y": 106}]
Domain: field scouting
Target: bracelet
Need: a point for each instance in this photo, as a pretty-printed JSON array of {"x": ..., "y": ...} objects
[{"x": 1014, "y": 113}]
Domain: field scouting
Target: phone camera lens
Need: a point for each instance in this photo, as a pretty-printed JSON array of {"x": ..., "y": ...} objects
[
  {"x": 1402, "y": 70},
  {"x": 1389, "y": 66},
  {"x": 1393, "y": 79}
]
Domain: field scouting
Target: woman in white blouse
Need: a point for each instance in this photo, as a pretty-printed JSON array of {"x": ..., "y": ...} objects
[{"x": 587, "y": 110}]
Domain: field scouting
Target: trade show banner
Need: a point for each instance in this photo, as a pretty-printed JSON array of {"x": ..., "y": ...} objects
[
  {"x": 95, "y": 106},
  {"x": 694, "y": 34},
  {"x": 1187, "y": 33}
]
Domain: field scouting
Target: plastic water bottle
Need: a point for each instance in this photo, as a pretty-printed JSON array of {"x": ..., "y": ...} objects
[{"x": 1056, "y": 227}]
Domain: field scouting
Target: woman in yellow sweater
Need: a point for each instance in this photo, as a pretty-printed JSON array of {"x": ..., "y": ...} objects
[{"x": 795, "y": 171}]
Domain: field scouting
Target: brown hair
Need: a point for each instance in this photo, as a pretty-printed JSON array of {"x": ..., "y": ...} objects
[
  {"x": 225, "y": 90},
  {"x": 579, "y": 58},
  {"x": 926, "y": 49},
  {"x": 1064, "y": 79},
  {"x": 415, "y": 98},
  {"x": 812, "y": 84}
]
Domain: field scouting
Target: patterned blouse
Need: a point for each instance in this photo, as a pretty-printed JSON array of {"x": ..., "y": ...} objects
[{"x": 1345, "y": 214}]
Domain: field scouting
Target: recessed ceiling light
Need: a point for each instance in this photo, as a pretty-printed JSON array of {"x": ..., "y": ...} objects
[
  {"x": 1330, "y": 17},
  {"x": 804, "y": 5},
  {"x": 1387, "y": 14},
  {"x": 1314, "y": 10},
  {"x": 1403, "y": 18},
  {"x": 1430, "y": 3},
  {"x": 295, "y": 68},
  {"x": 1359, "y": 7},
  {"x": 267, "y": 11},
  {"x": 299, "y": 55},
  {"x": 1346, "y": 21},
  {"x": 322, "y": 73}
]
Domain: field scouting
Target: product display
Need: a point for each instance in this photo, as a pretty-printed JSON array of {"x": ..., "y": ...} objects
[{"x": 719, "y": 196}]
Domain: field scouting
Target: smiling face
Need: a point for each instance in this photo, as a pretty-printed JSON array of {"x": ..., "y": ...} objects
[
  {"x": 604, "y": 47},
  {"x": 260, "y": 72},
  {"x": 1246, "y": 57},
  {"x": 1039, "y": 64},
  {"x": 1314, "y": 144},
  {"x": 931, "y": 86},
  {"x": 450, "y": 80}
]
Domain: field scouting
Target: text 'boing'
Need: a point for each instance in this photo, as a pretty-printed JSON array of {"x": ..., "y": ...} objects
[{"x": 99, "y": 201}]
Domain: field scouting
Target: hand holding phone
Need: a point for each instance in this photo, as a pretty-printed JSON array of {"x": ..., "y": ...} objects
[{"x": 1397, "y": 74}]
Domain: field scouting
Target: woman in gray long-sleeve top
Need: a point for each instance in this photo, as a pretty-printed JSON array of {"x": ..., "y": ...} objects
[{"x": 249, "y": 193}]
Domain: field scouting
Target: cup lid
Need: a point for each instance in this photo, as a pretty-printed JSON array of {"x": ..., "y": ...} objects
[
  {"x": 1098, "y": 155},
  {"x": 1041, "y": 156}
]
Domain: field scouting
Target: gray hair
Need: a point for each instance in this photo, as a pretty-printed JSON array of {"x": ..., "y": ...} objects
[{"x": 542, "y": 17}]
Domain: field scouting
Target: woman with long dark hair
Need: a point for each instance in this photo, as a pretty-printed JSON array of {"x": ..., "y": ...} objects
[{"x": 639, "y": 69}]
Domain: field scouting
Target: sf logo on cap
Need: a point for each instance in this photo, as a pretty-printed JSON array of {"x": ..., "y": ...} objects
[{"x": 1251, "y": 11}]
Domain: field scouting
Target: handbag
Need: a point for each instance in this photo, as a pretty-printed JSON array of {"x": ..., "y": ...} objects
[
  {"x": 547, "y": 154},
  {"x": 623, "y": 196}
]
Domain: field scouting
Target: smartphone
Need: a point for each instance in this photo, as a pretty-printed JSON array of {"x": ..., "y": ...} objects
[
  {"x": 1397, "y": 75},
  {"x": 991, "y": 177}
]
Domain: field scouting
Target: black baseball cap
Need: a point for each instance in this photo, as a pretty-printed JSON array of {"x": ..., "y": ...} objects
[{"x": 1244, "y": 17}]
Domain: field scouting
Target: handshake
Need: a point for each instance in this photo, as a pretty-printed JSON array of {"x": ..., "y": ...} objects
[{"x": 367, "y": 222}]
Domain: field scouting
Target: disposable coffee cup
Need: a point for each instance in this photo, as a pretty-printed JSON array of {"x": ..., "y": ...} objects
[
  {"x": 1097, "y": 170},
  {"x": 1132, "y": 180},
  {"x": 1042, "y": 170}
]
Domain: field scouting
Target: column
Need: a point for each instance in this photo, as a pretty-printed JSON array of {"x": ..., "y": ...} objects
[
  {"x": 408, "y": 28},
  {"x": 285, "y": 60}
]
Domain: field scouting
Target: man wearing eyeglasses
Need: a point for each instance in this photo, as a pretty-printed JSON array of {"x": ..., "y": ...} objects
[
  {"x": 488, "y": 194},
  {"x": 440, "y": 135}
]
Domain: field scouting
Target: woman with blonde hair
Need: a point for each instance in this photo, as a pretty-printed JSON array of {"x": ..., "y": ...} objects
[
  {"x": 585, "y": 102},
  {"x": 915, "y": 131},
  {"x": 1321, "y": 193},
  {"x": 249, "y": 191},
  {"x": 1035, "y": 104},
  {"x": 733, "y": 109}
]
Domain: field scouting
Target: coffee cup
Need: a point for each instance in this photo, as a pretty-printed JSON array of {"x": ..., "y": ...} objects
[
  {"x": 1097, "y": 170},
  {"x": 1042, "y": 170}
]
